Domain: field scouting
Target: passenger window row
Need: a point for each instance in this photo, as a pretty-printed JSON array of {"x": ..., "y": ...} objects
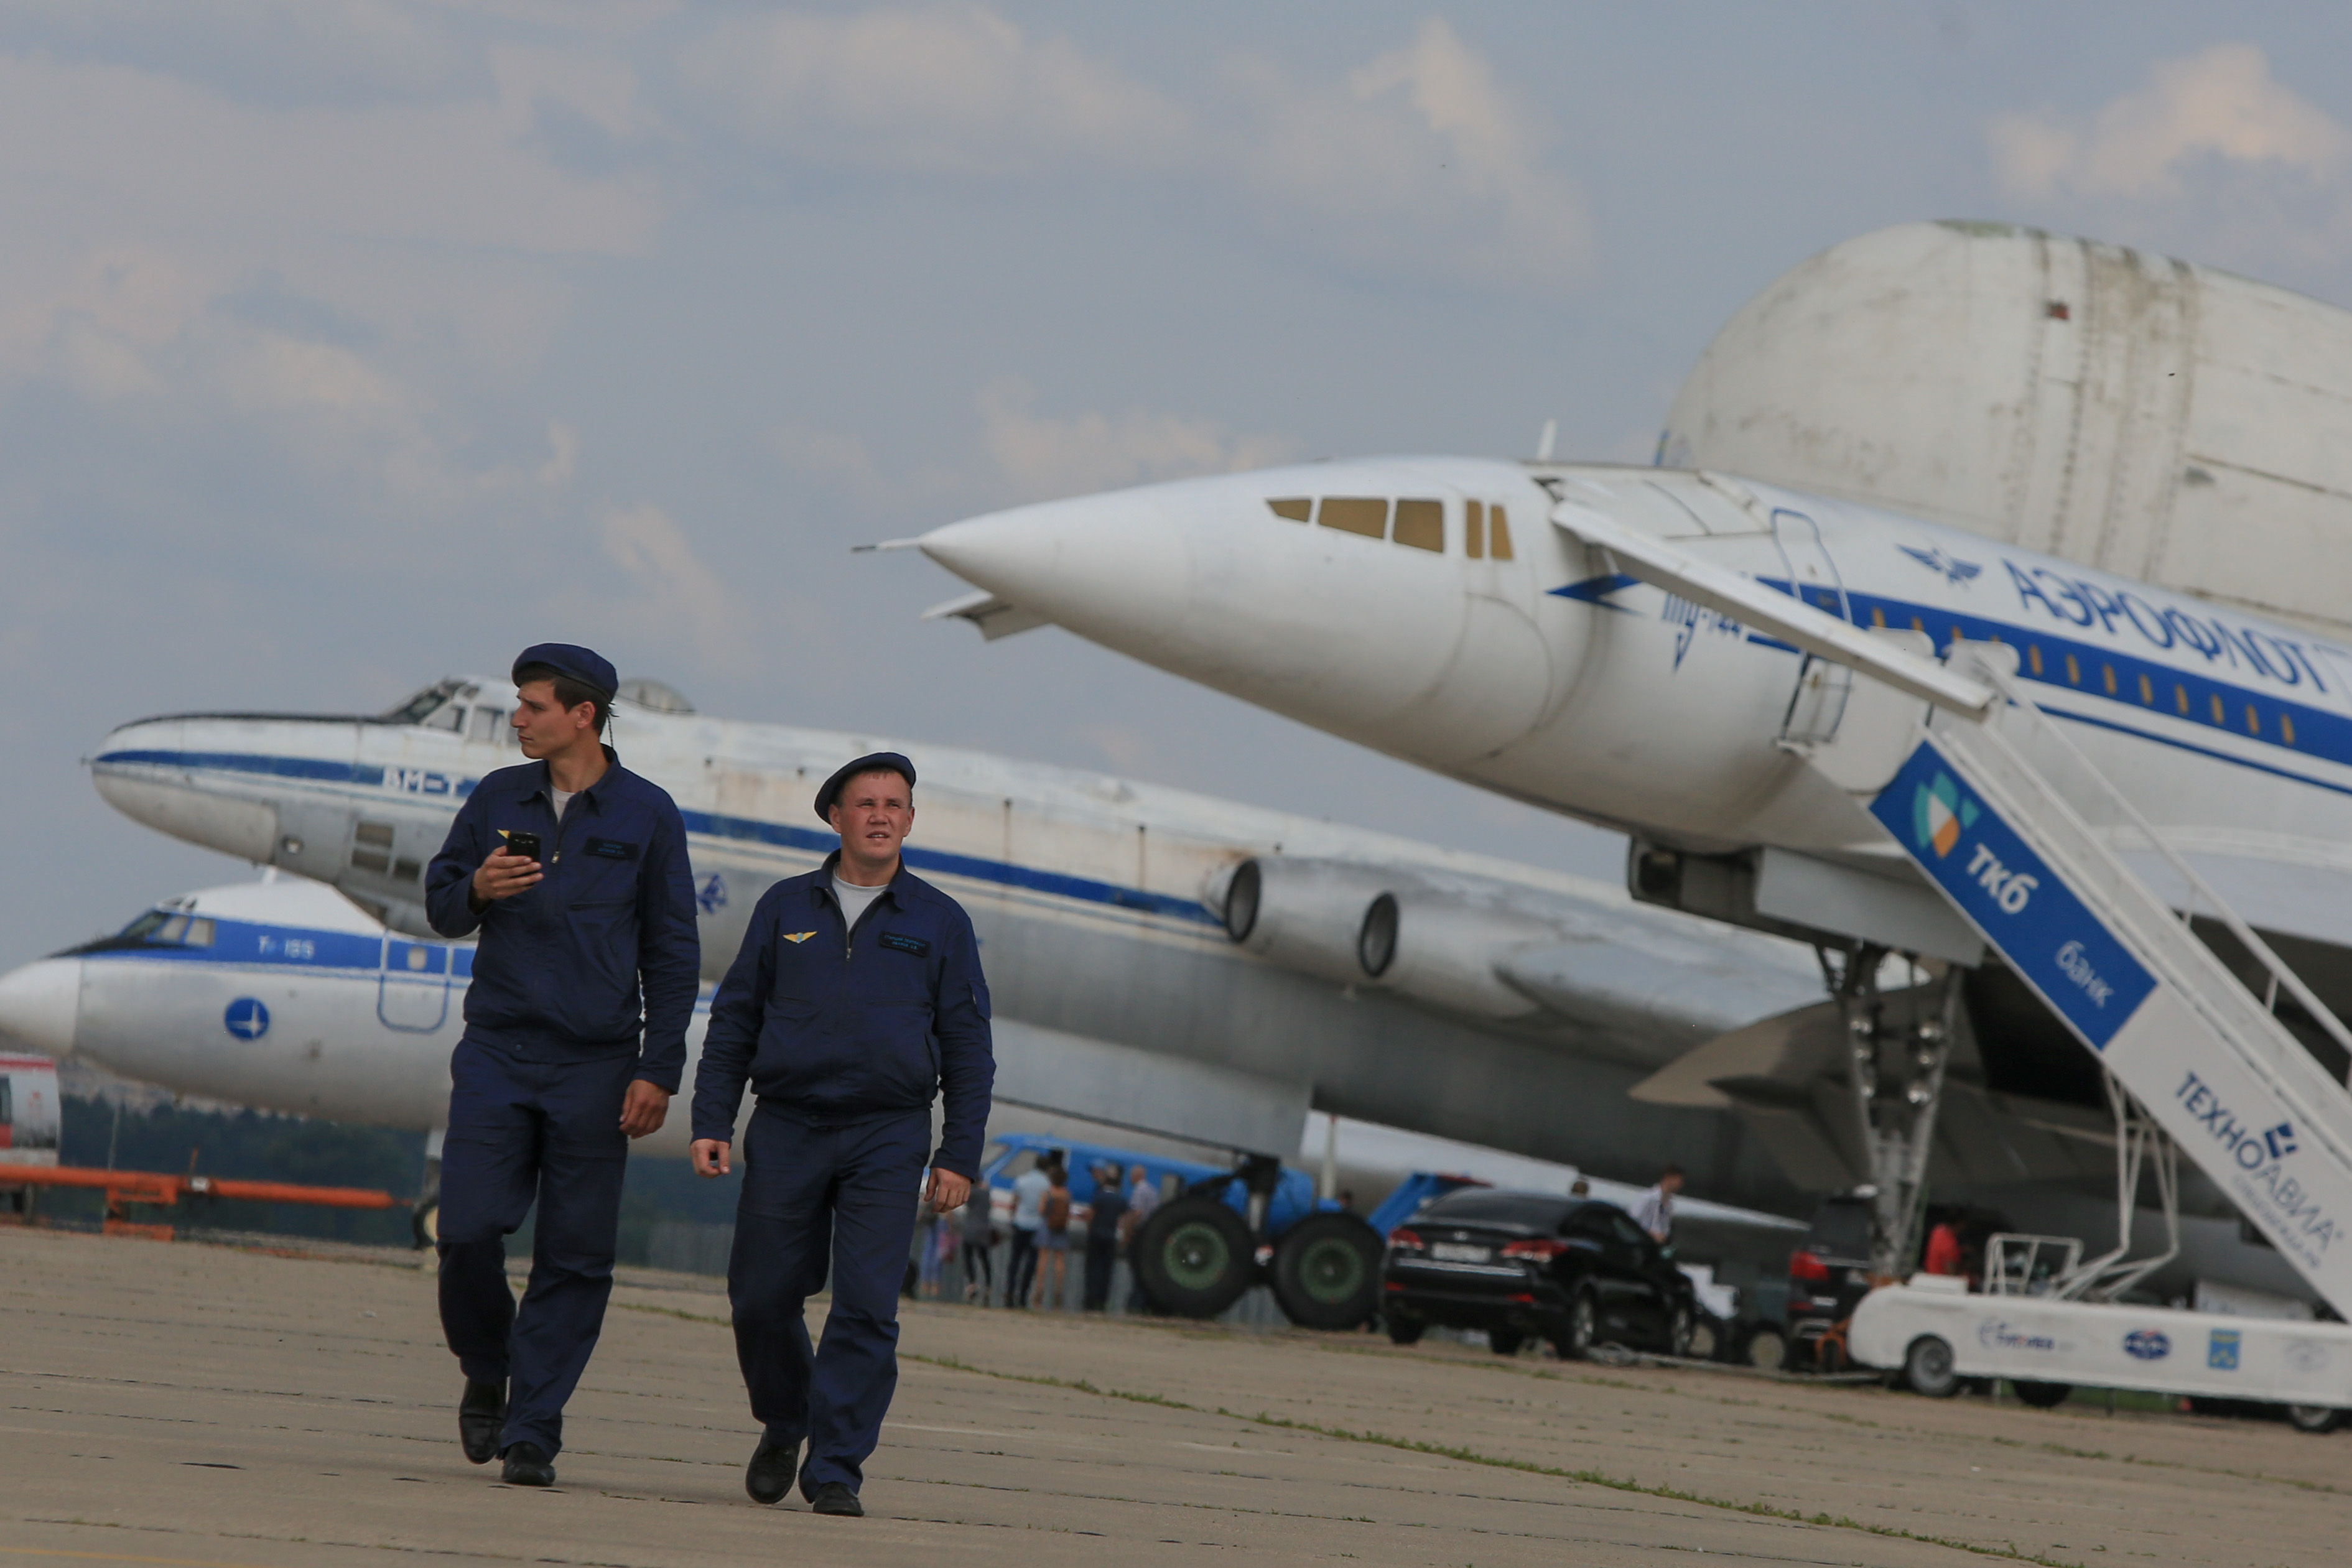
[
  {"x": 372, "y": 851},
  {"x": 1417, "y": 522}
]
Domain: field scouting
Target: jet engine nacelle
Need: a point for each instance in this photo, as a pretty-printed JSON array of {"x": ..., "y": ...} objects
[
  {"x": 1377, "y": 927},
  {"x": 1304, "y": 915}
]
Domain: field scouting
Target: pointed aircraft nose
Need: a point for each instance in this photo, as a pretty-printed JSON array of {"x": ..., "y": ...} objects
[
  {"x": 40, "y": 1005},
  {"x": 1105, "y": 567}
]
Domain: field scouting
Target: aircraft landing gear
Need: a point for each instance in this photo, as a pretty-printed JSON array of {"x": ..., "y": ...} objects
[{"x": 1898, "y": 1048}]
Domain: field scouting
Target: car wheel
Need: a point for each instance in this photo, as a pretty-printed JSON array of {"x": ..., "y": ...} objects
[
  {"x": 1504, "y": 1342},
  {"x": 1767, "y": 1349},
  {"x": 1327, "y": 1272},
  {"x": 1927, "y": 1368},
  {"x": 1679, "y": 1330},
  {"x": 2315, "y": 1418},
  {"x": 2043, "y": 1395},
  {"x": 1583, "y": 1328},
  {"x": 1403, "y": 1330},
  {"x": 1706, "y": 1340},
  {"x": 1194, "y": 1257}
]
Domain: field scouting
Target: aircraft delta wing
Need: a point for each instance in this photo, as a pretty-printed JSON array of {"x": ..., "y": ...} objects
[{"x": 1278, "y": 959}]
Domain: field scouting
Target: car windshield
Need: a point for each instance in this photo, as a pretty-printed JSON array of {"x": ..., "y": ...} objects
[
  {"x": 1841, "y": 1230},
  {"x": 1484, "y": 1206}
]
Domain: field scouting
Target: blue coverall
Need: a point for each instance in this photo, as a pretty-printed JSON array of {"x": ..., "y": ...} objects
[
  {"x": 844, "y": 1035},
  {"x": 571, "y": 975}
]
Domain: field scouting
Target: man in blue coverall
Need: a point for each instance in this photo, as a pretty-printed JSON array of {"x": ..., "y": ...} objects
[
  {"x": 857, "y": 997},
  {"x": 575, "y": 1036}
]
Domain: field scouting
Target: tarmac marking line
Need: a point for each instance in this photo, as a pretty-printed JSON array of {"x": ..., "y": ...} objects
[{"x": 122, "y": 1557}]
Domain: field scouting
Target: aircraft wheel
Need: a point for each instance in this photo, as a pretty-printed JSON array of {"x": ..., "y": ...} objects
[
  {"x": 1327, "y": 1272},
  {"x": 2315, "y": 1418},
  {"x": 1767, "y": 1349},
  {"x": 2043, "y": 1395},
  {"x": 1504, "y": 1342},
  {"x": 424, "y": 1224},
  {"x": 1403, "y": 1330},
  {"x": 1927, "y": 1368},
  {"x": 1195, "y": 1257}
]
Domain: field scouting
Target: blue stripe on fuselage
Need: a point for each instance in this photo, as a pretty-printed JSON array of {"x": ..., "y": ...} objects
[
  {"x": 712, "y": 825},
  {"x": 247, "y": 945}
]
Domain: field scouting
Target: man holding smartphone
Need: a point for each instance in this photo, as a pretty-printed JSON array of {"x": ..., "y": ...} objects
[
  {"x": 856, "y": 1000},
  {"x": 574, "y": 871}
]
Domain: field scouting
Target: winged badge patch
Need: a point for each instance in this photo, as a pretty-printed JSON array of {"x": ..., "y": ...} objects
[{"x": 798, "y": 936}]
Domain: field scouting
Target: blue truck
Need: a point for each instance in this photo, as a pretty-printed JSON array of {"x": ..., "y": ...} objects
[{"x": 1219, "y": 1229}]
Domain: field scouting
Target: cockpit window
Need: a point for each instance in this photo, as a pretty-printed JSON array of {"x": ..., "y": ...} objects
[
  {"x": 490, "y": 724},
  {"x": 144, "y": 926},
  {"x": 186, "y": 931},
  {"x": 451, "y": 717},
  {"x": 1421, "y": 524},
  {"x": 1499, "y": 532},
  {"x": 1363, "y": 515},
  {"x": 1297, "y": 508},
  {"x": 413, "y": 710}
]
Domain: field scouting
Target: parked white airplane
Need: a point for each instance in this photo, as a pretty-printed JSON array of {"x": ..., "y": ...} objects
[
  {"x": 1597, "y": 640},
  {"x": 1175, "y": 936}
]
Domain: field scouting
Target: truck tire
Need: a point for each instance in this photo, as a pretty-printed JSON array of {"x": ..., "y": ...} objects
[
  {"x": 1403, "y": 1330},
  {"x": 2043, "y": 1395},
  {"x": 2316, "y": 1419},
  {"x": 1927, "y": 1368},
  {"x": 1326, "y": 1272},
  {"x": 1194, "y": 1257}
]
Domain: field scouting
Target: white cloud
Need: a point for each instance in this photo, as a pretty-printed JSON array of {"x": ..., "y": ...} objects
[
  {"x": 1423, "y": 155},
  {"x": 680, "y": 599},
  {"x": 946, "y": 87},
  {"x": 2222, "y": 104},
  {"x": 1041, "y": 456}
]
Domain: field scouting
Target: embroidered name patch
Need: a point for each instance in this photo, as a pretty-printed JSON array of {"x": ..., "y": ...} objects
[
  {"x": 612, "y": 850},
  {"x": 898, "y": 941},
  {"x": 798, "y": 937}
]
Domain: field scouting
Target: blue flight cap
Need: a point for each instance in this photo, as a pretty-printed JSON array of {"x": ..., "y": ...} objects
[
  {"x": 872, "y": 762},
  {"x": 585, "y": 666}
]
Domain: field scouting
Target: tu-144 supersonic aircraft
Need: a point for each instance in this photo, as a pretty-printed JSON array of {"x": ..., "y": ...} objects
[{"x": 1674, "y": 653}]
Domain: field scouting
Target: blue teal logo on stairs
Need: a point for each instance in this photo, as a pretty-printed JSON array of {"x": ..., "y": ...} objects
[{"x": 1940, "y": 813}]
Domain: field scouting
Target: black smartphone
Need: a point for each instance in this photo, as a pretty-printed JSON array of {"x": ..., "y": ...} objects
[{"x": 523, "y": 844}]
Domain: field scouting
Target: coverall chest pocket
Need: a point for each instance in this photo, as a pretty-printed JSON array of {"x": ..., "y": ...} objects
[
  {"x": 804, "y": 961},
  {"x": 598, "y": 870}
]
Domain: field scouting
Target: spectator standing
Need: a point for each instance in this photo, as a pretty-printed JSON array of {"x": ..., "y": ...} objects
[
  {"x": 1943, "y": 1250},
  {"x": 1653, "y": 1211},
  {"x": 938, "y": 1243},
  {"x": 1103, "y": 1233},
  {"x": 1028, "y": 1217},
  {"x": 1054, "y": 1240},
  {"x": 979, "y": 1247},
  {"x": 1143, "y": 1200}
]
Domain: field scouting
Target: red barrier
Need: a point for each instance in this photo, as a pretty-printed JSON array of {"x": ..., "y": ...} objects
[{"x": 125, "y": 1187}]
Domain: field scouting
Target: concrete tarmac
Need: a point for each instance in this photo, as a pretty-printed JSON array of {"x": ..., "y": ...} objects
[{"x": 190, "y": 1404}]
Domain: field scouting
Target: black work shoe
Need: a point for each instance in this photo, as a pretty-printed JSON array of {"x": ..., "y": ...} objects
[
  {"x": 769, "y": 1474},
  {"x": 480, "y": 1415},
  {"x": 834, "y": 1497},
  {"x": 528, "y": 1466}
]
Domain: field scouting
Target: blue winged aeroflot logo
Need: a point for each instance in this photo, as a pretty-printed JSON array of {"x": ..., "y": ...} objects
[
  {"x": 1597, "y": 589},
  {"x": 1934, "y": 559}
]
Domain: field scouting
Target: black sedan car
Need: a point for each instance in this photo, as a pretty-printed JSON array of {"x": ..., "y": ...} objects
[{"x": 1522, "y": 1265}]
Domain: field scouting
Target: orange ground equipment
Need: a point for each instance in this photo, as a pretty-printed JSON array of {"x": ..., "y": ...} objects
[{"x": 124, "y": 1189}]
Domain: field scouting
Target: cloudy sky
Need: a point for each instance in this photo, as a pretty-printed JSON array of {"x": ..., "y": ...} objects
[{"x": 348, "y": 343}]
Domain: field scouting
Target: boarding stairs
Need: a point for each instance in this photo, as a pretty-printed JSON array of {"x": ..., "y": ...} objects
[{"x": 2020, "y": 831}]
